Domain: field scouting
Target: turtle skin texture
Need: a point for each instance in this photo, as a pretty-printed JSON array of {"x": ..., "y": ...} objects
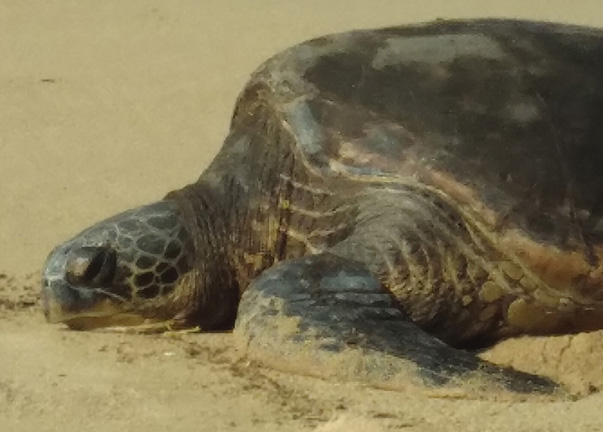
[{"x": 385, "y": 201}]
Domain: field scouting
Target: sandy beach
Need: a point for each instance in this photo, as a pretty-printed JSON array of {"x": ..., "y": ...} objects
[{"x": 108, "y": 105}]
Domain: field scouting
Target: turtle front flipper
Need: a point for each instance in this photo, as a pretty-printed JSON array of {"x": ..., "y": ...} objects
[{"x": 329, "y": 317}]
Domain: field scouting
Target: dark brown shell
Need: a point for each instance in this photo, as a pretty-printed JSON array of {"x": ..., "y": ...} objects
[{"x": 504, "y": 116}]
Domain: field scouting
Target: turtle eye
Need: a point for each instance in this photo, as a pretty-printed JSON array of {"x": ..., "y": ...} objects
[{"x": 91, "y": 266}]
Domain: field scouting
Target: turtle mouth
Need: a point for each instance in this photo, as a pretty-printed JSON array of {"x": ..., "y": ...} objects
[
  {"x": 91, "y": 322},
  {"x": 103, "y": 313},
  {"x": 84, "y": 309}
]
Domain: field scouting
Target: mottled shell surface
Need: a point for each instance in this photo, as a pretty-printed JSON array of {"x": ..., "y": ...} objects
[{"x": 505, "y": 117}]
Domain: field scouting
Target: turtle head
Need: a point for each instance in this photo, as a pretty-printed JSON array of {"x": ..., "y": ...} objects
[{"x": 125, "y": 270}]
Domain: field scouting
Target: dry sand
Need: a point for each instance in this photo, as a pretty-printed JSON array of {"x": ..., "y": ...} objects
[{"x": 107, "y": 105}]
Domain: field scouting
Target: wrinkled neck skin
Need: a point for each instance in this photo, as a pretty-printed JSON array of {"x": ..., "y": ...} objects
[
  {"x": 232, "y": 214},
  {"x": 211, "y": 289}
]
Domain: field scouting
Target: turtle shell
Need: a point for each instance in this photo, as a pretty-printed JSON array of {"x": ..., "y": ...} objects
[{"x": 505, "y": 117}]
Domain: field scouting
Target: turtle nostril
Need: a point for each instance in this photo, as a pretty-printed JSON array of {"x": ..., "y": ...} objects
[{"x": 91, "y": 266}]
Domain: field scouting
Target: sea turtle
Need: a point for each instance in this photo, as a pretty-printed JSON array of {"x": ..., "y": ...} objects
[{"x": 384, "y": 199}]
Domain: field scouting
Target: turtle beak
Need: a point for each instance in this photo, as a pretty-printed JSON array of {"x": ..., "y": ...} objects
[
  {"x": 62, "y": 301},
  {"x": 82, "y": 308},
  {"x": 53, "y": 312}
]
